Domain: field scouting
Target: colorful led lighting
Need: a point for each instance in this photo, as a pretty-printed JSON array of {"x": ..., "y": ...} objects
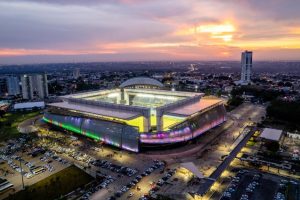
[
  {"x": 178, "y": 135},
  {"x": 88, "y": 134}
]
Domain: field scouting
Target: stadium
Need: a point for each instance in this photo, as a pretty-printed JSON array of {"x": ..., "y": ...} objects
[{"x": 138, "y": 113}]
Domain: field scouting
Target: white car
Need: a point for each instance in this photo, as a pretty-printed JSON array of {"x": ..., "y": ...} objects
[{"x": 28, "y": 175}]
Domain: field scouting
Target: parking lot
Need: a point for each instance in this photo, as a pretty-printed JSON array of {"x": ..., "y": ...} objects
[
  {"x": 137, "y": 185},
  {"x": 34, "y": 163},
  {"x": 49, "y": 154},
  {"x": 249, "y": 184},
  {"x": 126, "y": 175}
]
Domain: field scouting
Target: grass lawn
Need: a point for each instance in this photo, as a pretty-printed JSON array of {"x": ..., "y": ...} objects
[
  {"x": 55, "y": 185},
  {"x": 251, "y": 143},
  {"x": 9, "y": 124}
]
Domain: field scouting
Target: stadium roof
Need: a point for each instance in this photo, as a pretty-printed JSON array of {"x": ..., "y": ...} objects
[
  {"x": 271, "y": 134},
  {"x": 141, "y": 81},
  {"x": 193, "y": 108},
  {"x": 97, "y": 110}
]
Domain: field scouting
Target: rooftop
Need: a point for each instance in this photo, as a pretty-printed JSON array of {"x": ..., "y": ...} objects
[
  {"x": 28, "y": 105},
  {"x": 182, "y": 111},
  {"x": 271, "y": 134},
  {"x": 141, "y": 81},
  {"x": 97, "y": 110},
  {"x": 147, "y": 98},
  {"x": 193, "y": 108}
]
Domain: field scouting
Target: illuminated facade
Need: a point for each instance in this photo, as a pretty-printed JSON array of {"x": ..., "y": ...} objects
[{"x": 130, "y": 117}]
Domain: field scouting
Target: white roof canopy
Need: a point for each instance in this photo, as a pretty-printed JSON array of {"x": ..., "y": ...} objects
[
  {"x": 192, "y": 168},
  {"x": 193, "y": 108},
  {"x": 271, "y": 134},
  {"x": 39, "y": 104},
  {"x": 141, "y": 81},
  {"x": 97, "y": 110}
]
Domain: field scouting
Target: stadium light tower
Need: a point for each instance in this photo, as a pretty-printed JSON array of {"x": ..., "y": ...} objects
[{"x": 22, "y": 173}]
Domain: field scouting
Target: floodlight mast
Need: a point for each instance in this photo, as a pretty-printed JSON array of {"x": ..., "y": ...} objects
[{"x": 22, "y": 173}]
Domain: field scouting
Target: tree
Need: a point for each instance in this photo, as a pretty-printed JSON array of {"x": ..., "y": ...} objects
[
  {"x": 162, "y": 197},
  {"x": 219, "y": 93},
  {"x": 288, "y": 84},
  {"x": 272, "y": 146},
  {"x": 235, "y": 101},
  {"x": 2, "y": 113},
  {"x": 286, "y": 111},
  {"x": 207, "y": 92},
  {"x": 280, "y": 84},
  {"x": 259, "y": 92},
  {"x": 54, "y": 87}
]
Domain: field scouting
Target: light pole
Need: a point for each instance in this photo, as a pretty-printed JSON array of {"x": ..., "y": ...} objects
[{"x": 22, "y": 172}]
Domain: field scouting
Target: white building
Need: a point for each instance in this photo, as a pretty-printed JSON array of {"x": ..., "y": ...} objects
[
  {"x": 34, "y": 86},
  {"x": 29, "y": 105},
  {"x": 293, "y": 135},
  {"x": 13, "y": 86},
  {"x": 76, "y": 73},
  {"x": 271, "y": 134},
  {"x": 246, "y": 65}
]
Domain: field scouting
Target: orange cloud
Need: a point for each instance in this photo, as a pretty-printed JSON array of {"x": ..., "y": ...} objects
[
  {"x": 295, "y": 30},
  {"x": 27, "y": 52},
  {"x": 215, "y": 31},
  {"x": 283, "y": 43},
  {"x": 142, "y": 45}
]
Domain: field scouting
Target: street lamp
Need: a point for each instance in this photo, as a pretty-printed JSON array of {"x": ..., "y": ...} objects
[{"x": 22, "y": 172}]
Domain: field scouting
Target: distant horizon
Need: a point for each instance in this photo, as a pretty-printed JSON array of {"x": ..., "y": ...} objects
[
  {"x": 55, "y": 31},
  {"x": 137, "y": 61}
]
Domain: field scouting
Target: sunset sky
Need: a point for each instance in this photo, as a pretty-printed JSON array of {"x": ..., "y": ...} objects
[{"x": 41, "y": 31}]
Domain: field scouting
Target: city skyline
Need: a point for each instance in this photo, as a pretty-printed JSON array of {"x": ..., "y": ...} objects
[
  {"x": 130, "y": 30},
  {"x": 149, "y": 99}
]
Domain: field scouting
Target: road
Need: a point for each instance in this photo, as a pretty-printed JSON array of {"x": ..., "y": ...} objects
[{"x": 220, "y": 169}]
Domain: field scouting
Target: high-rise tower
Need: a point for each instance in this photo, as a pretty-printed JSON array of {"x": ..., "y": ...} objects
[
  {"x": 76, "y": 73},
  {"x": 13, "y": 86},
  {"x": 246, "y": 64},
  {"x": 34, "y": 86}
]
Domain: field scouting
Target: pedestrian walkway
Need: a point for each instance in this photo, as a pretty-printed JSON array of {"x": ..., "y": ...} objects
[{"x": 208, "y": 182}]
